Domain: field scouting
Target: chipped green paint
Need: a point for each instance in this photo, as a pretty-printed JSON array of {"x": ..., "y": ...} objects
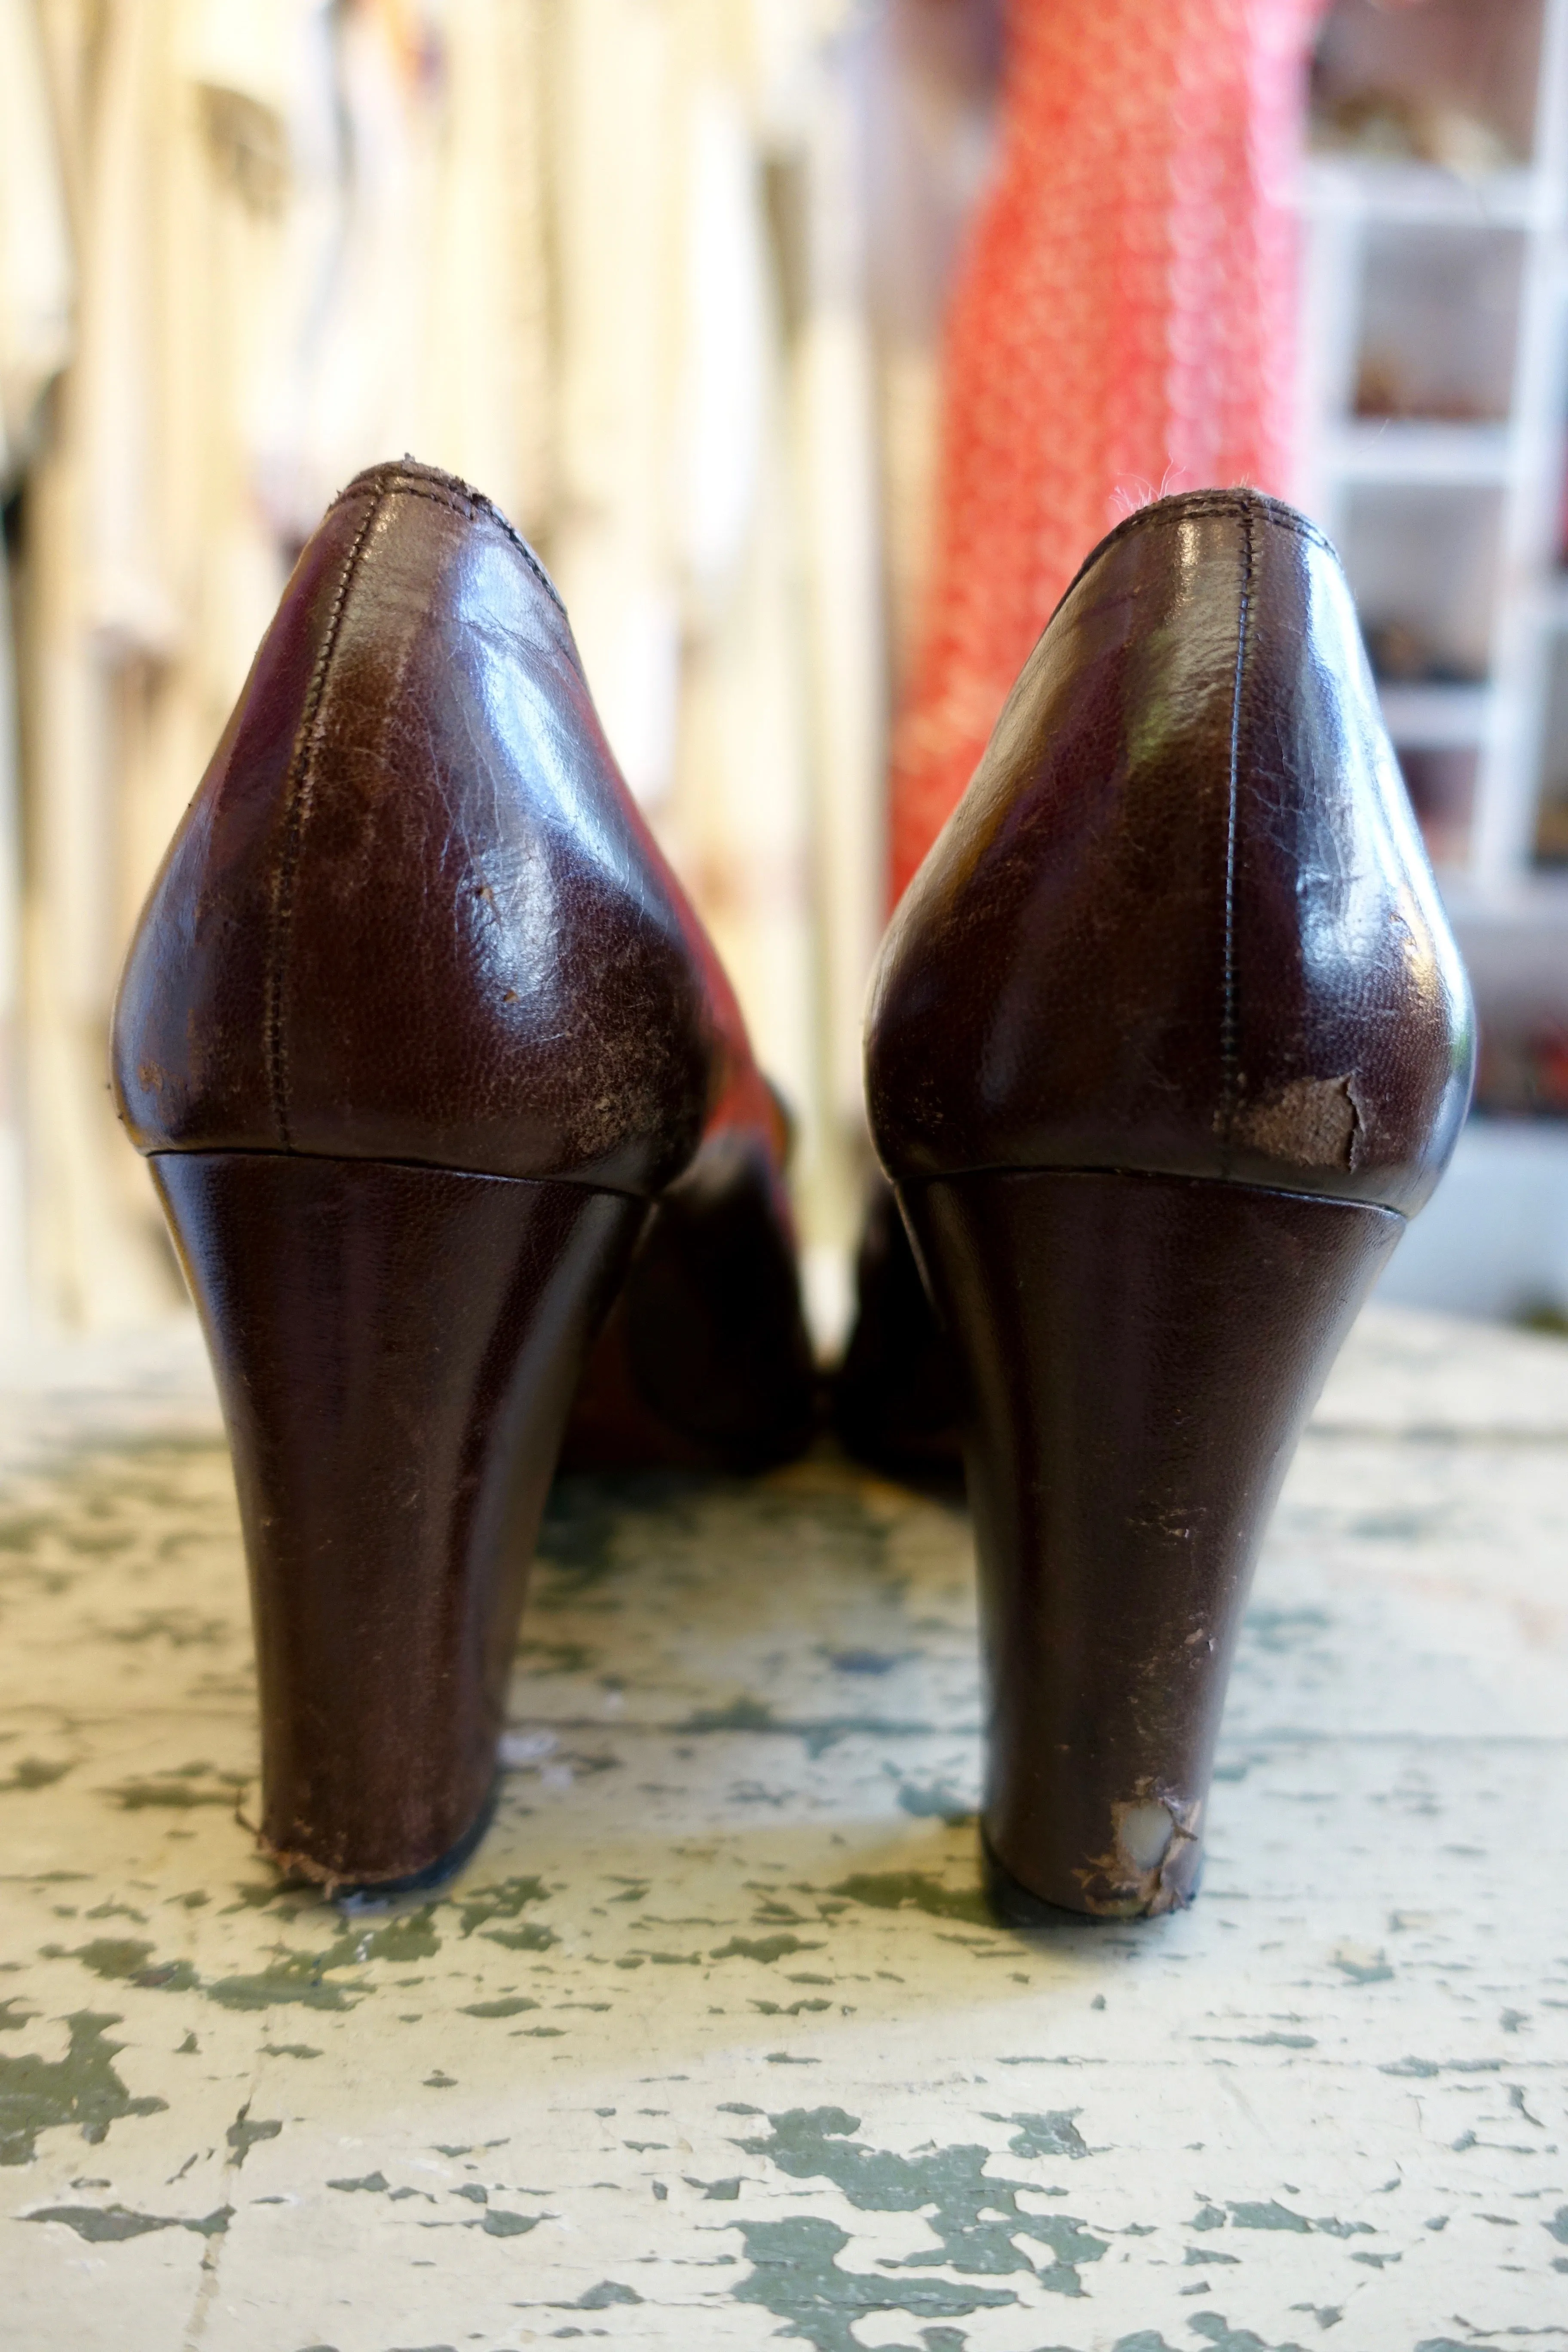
[
  {"x": 546, "y": 1658},
  {"x": 409, "y": 1937},
  {"x": 180, "y": 1789},
  {"x": 300, "y": 1981},
  {"x": 796, "y": 2277},
  {"x": 479, "y": 1908},
  {"x": 182, "y": 1629},
  {"x": 243, "y": 2135},
  {"x": 763, "y": 1947},
  {"x": 819, "y": 2143},
  {"x": 103, "y": 2225},
  {"x": 300, "y": 1978},
  {"x": 498, "y": 2224},
  {"x": 1056, "y": 2134},
  {"x": 511, "y": 2008},
  {"x": 1364, "y": 1972},
  {"x": 82, "y": 2088},
  {"x": 33, "y": 1772},
  {"x": 532, "y": 1937},
  {"x": 1218, "y": 2332},
  {"x": 936, "y": 1803},
  {"x": 123, "y": 1960},
  {"x": 1282, "y": 1629},
  {"x": 582, "y": 1534},
  {"x": 915, "y": 1890},
  {"x": 741, "y": 1715},
  {"x": 1269, "y": 2216}
]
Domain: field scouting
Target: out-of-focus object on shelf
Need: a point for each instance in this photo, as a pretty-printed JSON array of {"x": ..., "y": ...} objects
[
  {"x": 1435, "y": 423},
  {"x": 1456, "y": 87}
]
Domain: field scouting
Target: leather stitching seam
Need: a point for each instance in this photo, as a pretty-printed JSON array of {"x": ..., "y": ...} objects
[
  {"x": 1229, "y": 1068},
  {"x": 471, "y": 511},
  {"x": 297, "y": 795},
  {"x": 1252, "y": 506}
]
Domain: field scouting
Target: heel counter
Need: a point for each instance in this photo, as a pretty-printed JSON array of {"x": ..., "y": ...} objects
[
  {"x": 411, "y": 913},
  {"x": 189, "y": 1060}
]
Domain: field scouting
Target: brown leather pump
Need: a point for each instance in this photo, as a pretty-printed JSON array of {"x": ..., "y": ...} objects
[
  {"x": 1167, "y": 1040},
  {"x": 417, "y": 1027}
]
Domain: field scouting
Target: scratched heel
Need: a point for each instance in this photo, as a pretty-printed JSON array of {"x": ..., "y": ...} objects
[{"x": 1141, "y": 1354}]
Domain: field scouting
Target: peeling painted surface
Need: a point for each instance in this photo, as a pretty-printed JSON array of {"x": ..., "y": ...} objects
[{"x": 713, "y": 2042}]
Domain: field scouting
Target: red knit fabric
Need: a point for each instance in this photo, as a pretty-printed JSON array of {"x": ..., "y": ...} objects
[{"x": 1122, "y": 324}]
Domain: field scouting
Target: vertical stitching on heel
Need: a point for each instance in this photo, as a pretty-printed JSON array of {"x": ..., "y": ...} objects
[
  {"x": 297, "y": 794},
  {"x": 1229, "y": 1064}
]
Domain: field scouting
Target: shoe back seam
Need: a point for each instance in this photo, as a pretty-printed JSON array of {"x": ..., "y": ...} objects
[
  {"x": 1230, "y": 1073},
  {"x": 297, "y": 795}
]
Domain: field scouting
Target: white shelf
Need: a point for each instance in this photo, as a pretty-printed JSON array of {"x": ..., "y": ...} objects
[
  {"x": 1397, "y": 449},
  {"x": 1420, "y": 195},
  {"x": 1551, "y": 602},
  {"x": 1452, "y": 529},
  {"x": 1436, "y": 718}
]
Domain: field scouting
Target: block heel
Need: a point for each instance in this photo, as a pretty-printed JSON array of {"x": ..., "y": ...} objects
[
  {"x": 395, "y": 1348},
  {"x": 1141, "y": 1352}
]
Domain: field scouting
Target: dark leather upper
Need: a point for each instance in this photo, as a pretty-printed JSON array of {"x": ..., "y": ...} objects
[
  {"x": 411, "y": 912},
  {"x": 1182, "y": 920}
]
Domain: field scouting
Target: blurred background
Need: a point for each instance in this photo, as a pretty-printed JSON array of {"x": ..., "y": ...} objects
[{"x": 812, "y": 343}]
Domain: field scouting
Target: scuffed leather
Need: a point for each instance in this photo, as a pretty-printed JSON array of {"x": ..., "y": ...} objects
[
  {"x": 1182, "y": 922},
  {"x": 411, "y": 912}
]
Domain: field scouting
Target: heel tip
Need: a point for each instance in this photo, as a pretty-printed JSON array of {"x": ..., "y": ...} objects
[
  {"x": 1012, "y": 1905},
  {"x": 364, "y": 1894}
]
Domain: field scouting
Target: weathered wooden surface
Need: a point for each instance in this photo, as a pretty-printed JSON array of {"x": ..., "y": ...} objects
[{"x": 712, "y": 2044}]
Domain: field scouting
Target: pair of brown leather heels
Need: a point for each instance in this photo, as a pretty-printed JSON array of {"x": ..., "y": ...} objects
[{"x": 465, "y": 1152}]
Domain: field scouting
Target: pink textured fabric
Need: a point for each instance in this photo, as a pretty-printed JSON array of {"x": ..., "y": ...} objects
[{"x": 1124, "y": 323}]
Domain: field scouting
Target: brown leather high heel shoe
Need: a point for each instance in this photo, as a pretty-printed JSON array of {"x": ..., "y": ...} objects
[
  {"x": 416, "y": 1026},
  {"x": 1167, "y": 1040}
]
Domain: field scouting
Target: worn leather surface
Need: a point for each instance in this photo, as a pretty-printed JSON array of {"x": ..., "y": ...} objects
[
  {"x": 1142, "y": 1352},
  {"x": 411, "y": 912},
  {"x": 1182, "y": 920}
]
